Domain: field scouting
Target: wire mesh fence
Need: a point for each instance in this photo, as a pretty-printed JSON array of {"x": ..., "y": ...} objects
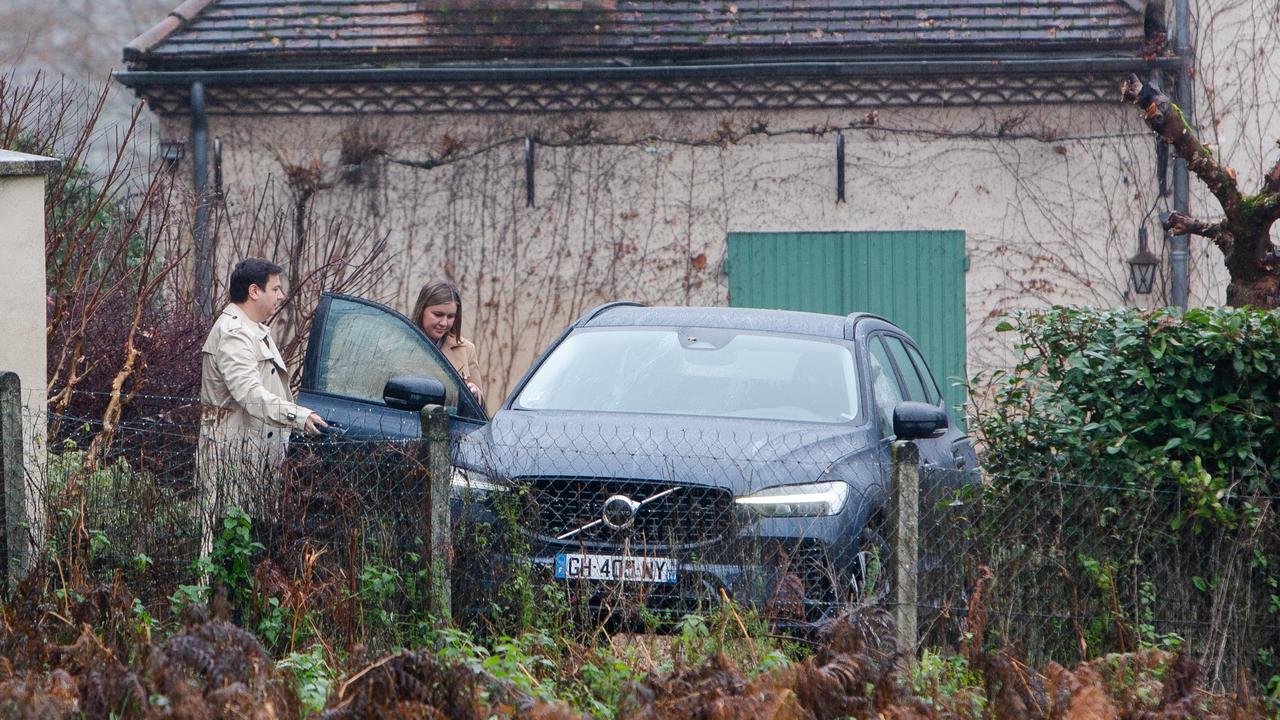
[
  {"x": 624, "y": 528},
  {"x": 1083, "y": 565}
]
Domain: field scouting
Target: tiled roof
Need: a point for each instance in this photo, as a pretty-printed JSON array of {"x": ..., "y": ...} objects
[{"x": 265, "y": 33}]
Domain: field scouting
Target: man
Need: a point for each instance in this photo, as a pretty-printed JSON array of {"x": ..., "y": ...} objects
[{"x": 247, "y": 409}]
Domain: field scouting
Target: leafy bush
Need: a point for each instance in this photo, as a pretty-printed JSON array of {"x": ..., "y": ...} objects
[
  {"x": 1131, "y": 459},
  {"x": 1189, "y": 402},
  {"x": 233, "y": 552},
  {"x": 312, "y": 675},
  {"x": 95, "y": 535},
  {"x": 936, "y": 676}
]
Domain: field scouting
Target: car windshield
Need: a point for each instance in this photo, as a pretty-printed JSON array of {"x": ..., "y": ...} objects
[{"x": 694, "y": 371}]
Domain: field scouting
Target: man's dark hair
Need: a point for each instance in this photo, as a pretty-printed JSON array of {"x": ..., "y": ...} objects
[{"x": 250, "y": 271}]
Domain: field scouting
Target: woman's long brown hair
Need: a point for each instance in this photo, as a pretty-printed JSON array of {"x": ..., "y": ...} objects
[{"x": 441, "y": 292}]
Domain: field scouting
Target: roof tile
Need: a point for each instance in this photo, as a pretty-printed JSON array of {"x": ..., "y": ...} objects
[{"x": 272, "y": 32}]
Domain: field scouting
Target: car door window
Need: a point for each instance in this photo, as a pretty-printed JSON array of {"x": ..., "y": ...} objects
[
  {"x": 913, "y": 387},
  {"x": 930, "y": 384},
  {"x": 884, "y": 385},
  {"x": 362, "y": 345}
]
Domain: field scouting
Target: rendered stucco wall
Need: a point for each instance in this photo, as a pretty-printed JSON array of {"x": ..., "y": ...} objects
[
  {"x": 22, "y": 286},
  {"x": 1049, "y": 200},
  {"x": 22, "y": 326},
  {"x": 1050, "y": 196}
]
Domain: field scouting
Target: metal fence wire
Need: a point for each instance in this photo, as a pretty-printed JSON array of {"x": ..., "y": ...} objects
[{"x": 636, "y": 530}]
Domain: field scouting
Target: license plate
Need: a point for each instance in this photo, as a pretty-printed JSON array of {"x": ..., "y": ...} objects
[{"x": 570, "y": 566}]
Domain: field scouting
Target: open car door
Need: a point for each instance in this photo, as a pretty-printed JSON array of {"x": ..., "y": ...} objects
[{"x": 369, "y": 370}]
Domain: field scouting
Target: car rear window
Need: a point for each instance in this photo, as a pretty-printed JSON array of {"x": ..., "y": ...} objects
[{"x": 692, "y": 371}]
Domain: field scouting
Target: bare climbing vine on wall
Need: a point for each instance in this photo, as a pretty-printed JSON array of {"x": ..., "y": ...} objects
[{"x": 640, "y": 209}]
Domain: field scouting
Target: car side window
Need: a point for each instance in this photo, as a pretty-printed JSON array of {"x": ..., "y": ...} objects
[
  {"x": 362, "y": 346},
  {"x": 930, "y": 384},
  {"x": 883, "y": 384},
  {"x": 913, "y": 386}
]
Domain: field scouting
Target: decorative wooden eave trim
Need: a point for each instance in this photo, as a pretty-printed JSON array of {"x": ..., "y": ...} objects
[
  {"x": 614, "y": 95},
  {"x": 889, "y": 82}
]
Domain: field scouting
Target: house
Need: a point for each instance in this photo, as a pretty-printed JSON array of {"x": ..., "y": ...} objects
[{"x": 939, "y": 163}]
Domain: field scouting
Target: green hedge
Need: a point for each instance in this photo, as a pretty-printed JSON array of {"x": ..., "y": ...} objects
[
  {"x": 1188, "y": 401},
  {"x": 1132, "y": 458}
]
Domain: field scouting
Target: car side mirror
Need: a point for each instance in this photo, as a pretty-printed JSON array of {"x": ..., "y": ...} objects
[
  {"x": 918, "y": 421},
  {"x": 412, "y": 392}
]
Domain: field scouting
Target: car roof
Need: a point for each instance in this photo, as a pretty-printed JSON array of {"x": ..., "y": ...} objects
[{"x": 754, "y": 319}]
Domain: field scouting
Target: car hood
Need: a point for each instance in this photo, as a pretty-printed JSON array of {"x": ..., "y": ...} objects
[{"x": 742, "y": 455}]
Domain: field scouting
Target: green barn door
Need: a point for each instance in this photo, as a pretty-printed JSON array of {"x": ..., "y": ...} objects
[{"x": 915, "y": 279}]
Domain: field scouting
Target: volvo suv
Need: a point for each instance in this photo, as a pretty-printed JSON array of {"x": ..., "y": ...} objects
[{"x": 660, "y": 459}]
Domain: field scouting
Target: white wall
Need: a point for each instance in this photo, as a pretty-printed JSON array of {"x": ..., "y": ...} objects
[
  {"x": 22, "y": 299},
  {"x": 1049, "y": 199},
  {"x": 22, "y": 274}
]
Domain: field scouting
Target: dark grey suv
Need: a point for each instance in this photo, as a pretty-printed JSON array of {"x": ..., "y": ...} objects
[{"x": 671, "y": 456}]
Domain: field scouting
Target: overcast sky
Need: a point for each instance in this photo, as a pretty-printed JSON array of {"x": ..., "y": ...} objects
[
  {"x": 81, "y": 41},
  {"x": 80, "y": 38}
]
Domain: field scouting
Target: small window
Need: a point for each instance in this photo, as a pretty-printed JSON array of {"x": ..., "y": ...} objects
[
  {"x": 930, "y": 384},
  {"x": 363, "y": 346},
  {"x": 884, "y": 384},
  {"x": 913, "y": 386}
]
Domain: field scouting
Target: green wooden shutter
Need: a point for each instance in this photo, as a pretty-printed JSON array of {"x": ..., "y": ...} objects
[{"x": 913, "y": 278}]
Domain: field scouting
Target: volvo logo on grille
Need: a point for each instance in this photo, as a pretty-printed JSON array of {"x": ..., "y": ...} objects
[{"x": 619, "y": 512}]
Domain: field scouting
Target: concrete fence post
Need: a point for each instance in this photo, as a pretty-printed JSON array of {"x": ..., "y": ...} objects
[
  {"x": 437, "y": 540},
  {"x": 17, "y": 550},
  {"x": 904, "y": 540}
]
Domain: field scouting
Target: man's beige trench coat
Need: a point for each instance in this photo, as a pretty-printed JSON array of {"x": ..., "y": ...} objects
[{"x": 247, "y": 414}]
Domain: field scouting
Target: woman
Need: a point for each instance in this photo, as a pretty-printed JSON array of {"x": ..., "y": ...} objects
[{"x": 438, "y": 312}]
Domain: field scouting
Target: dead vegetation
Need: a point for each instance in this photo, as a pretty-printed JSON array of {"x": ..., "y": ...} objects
[
  {"x": 415, "y": 684},
  {"x": 95, "y": 661},
  {"x": 90, "y": 658},
  {"x": 852, "y": 677}
]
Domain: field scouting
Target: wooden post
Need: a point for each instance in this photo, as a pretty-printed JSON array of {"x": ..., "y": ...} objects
[
  {"x": 437, "y": 540},
  {"x": 13, "y": 533},
  {"x": 904, "y": 541}
]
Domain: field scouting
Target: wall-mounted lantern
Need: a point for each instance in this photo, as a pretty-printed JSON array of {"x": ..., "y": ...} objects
[{"x": 1143, "y": 265}]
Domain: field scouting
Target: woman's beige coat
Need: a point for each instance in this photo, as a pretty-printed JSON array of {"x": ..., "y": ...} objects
[{"x": 464, "y": 357}]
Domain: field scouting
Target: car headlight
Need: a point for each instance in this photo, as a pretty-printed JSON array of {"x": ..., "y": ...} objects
[
  {"x": 824, "y": 498},
  {"x": 466, "y": 482}
]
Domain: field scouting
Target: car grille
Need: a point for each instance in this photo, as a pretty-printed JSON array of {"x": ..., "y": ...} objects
[{"x": 690, "y": 517}]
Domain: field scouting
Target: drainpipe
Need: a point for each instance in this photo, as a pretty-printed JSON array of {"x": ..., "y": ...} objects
[
  {"x": 1180, "y": 245},
  {"x": 200, "y": 183}
]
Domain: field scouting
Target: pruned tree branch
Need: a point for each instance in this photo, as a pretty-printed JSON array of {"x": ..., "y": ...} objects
[
  {"x": 1183, "y": 224},
  {"x": 1269, "y": 208},
  {"x": 1167, "y": 121},
  {"x": 1272, "y": 181},
  {"x": 1244, "y": 234}
]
